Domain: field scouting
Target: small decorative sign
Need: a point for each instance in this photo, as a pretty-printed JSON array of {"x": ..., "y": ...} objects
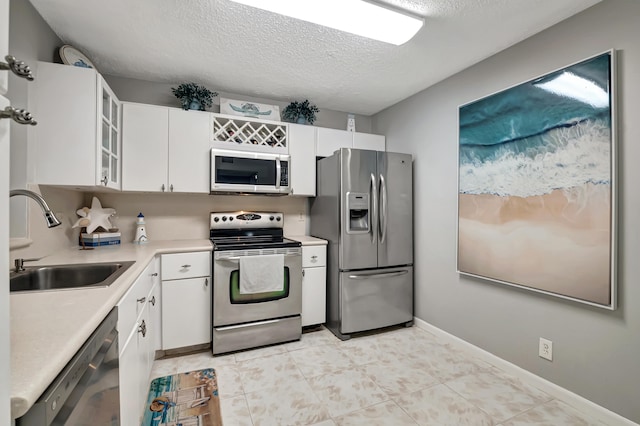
[{"x": 249, "y": 109}]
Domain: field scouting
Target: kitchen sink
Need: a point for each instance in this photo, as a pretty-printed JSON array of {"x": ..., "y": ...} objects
[{"x": 65, "y": 277}]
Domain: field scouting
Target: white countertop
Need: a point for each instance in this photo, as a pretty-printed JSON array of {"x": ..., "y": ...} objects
[
  {"x": 307, "y": 240},
  {"x": 48, "y": 328}
]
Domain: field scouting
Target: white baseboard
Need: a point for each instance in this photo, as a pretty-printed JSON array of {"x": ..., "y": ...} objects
[{"x": 582, "y": 404}]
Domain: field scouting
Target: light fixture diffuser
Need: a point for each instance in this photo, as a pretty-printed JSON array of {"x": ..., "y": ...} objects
[{"x": 353, "y": 16}]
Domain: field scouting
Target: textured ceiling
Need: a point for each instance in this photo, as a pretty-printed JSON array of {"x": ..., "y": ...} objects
[{"x": 237, "y": 49}]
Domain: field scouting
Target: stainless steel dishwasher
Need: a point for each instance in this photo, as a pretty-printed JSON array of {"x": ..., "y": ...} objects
[{"x": 87, "y": 391}]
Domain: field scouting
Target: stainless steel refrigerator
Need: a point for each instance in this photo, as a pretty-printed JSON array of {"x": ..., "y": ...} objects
[{"x": 364, "y": 209}]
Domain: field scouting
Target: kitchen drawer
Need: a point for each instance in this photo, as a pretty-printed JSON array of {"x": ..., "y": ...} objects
[
  {"x": 186, "y": 265},
  {"x": 314, "y": 256},
  {"x": 132, "y": 303}
]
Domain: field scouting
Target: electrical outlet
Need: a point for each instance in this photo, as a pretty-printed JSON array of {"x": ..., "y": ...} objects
[{"x": 545, "y": 350}]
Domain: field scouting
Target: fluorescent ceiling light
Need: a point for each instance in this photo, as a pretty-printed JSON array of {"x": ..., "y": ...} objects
[
  {"x": 578, "y": 88},
  {"x": 353, "y": 16}
]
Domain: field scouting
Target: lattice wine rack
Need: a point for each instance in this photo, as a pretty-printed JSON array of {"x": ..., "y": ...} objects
[{"x": 249, "y": 134}]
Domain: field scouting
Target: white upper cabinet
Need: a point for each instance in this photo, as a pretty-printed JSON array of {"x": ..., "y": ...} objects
[
  {"x": 330, "y": 140},
  {"x": 368, "y": 141},
  {"x": 165, "y": 149},
  {"x": 302, "y": 149},
  {"x": 189, "y": 156},
  {"x": 145, "y": 147},
  {"x": 77, "y": 139}
]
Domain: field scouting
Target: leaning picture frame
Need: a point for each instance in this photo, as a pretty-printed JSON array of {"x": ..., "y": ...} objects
[{"x": 537, "y": 184}]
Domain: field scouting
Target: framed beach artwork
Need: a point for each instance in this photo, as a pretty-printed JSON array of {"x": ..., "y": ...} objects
[{"x": 536, "y": 184}]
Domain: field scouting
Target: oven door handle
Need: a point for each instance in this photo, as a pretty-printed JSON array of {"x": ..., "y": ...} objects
[{"x": 237, "y": 258}]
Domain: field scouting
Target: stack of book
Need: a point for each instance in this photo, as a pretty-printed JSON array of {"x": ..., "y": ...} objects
[{"x": 96, "y": 239}]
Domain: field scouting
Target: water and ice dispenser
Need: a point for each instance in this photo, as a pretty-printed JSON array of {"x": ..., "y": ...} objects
[{"x": 358, "y": 208}]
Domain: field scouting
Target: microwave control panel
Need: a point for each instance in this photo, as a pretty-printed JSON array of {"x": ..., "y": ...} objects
[{"x": 284, "y": 173}]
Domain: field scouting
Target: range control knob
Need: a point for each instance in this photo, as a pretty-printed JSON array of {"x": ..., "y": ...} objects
[
  {"x": 216, "y": 219},
  {"x": 230, "y": 218},
  {"x": 278, "y": 218},
  {"x": 224, "y": 218},
  {"x": 271, "y": 217}
]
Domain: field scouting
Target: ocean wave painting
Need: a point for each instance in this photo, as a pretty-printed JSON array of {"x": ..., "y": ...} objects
[{"x": 535, "y": 184}]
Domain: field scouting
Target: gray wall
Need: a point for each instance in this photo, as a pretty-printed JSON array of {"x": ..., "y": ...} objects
[
  {"x": 30, "y": 40},
  {"x": 596, "y": 351},
  {"x": 153, "y": 93}
]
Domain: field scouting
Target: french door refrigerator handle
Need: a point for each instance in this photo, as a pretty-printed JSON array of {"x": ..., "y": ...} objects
[
  {"x": 383, "y": 209},
  {"x": 380, "y": 275},
  {"x": 373, "y": 221}
]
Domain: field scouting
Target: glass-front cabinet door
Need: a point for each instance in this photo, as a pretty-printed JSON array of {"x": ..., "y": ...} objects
[{"x": 109, "y": 152}]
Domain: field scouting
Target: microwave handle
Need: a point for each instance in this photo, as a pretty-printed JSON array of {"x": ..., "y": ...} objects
[{"x": 278, "y": 173}]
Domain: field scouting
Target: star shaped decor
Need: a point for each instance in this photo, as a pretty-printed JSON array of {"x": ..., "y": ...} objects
[{"x": 94, "y": 217}]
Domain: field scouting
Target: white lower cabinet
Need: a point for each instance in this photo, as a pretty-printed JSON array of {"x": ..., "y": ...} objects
[
  {"x": 186, "y": 299},
  {"x": 137, "y": 324},
  {"x": 155, "y": 317},
  {"x": 130, "y": 397},
  {"x": 314, "y": 284}
]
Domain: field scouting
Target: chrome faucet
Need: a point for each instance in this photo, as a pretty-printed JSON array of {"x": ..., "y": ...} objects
[{"x": 51, "y": 218}]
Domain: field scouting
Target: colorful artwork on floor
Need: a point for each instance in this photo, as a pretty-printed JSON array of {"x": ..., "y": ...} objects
[
  {"x": 536, "y": 184},
  {"x": 184, "y": 399}
]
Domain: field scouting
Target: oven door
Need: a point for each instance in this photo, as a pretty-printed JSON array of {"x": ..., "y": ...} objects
[
  {"x": 249, "y": 172},
  {"x": 232, "y": 307}
]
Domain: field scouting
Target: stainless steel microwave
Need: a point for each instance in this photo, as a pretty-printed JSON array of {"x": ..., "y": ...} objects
[{"x": 249, "y": 172}]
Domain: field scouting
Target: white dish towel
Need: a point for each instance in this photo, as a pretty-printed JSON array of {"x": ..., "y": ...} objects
[{"x": 261, "y": 274}]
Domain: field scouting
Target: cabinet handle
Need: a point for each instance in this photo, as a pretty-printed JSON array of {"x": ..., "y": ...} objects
[
  {"x": 19, "y": 68},
  {"x": 141, "y": 300},
  {"x": 155, "y": 274},
  {"x": 186, "y": 266},
  {"x": 143, "y": 329},
  {"x": 153, "y": 301},
  {"x": 206, "y": 282},
  {"x": 163, "y": 187},
  {"x": 303, "y": 272},
  {"x": 171, "y": 188},
  {"x": 20, "y": 116},
  {"x": 104, "y": 180},
  {"x": 314, "y": 257}
]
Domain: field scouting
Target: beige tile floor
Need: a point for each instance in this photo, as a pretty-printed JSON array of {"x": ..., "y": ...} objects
[{"x": 398, "y": 377}]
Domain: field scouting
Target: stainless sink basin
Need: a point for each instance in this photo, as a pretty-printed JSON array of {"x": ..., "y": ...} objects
[{"x": 61, "y": 277}]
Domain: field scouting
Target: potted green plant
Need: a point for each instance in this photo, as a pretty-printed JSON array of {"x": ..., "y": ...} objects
[
  {"x": 300, "y": 112},
  {"x": 193, "y": 96}
]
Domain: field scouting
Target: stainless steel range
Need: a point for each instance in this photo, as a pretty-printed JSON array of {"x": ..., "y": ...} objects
[{"x": 257, "y": 281}]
